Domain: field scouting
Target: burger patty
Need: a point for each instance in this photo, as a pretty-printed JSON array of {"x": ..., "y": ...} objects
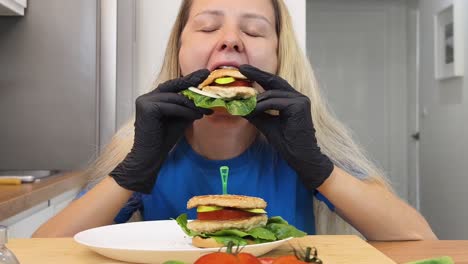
[
  {"x": 231, "y": 92},
  {"x": 210, "y": 226}
]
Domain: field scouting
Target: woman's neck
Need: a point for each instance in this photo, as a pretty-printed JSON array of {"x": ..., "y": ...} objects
[{"x": 218, "y": 140}]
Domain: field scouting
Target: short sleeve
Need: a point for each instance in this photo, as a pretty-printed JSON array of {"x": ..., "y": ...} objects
[
  {"x": 80, "y": 194},
  {"x": 324, "y": 199},
  {"x": 133, "y": 204}
]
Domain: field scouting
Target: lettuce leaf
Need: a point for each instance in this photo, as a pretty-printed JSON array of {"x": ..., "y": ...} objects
[
  {"x": 276, "y": 229},
  {"x": 255, "y": 233},
  {"x": 262, "y": 233},
  {"x": 225, "y": 240},
  {"x": 239, "y": 107},
  {"x": 182, "y": 222},
  {"x": 282, "y": 229}
]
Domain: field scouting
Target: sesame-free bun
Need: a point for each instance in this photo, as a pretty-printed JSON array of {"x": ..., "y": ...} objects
[
  {"x": 222, "y": 73},
  {"x": 205, "y": 242},
  {"x": 227, "y": 200},
  {"x": 209, "y": 242}
]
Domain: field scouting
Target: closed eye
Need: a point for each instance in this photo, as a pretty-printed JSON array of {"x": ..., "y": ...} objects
[
  {"x": 208, "y": 30},
  {"x": 252, "y": 34}
]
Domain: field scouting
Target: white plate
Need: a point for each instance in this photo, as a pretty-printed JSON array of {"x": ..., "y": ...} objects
[{"x": 152, "y": 242}]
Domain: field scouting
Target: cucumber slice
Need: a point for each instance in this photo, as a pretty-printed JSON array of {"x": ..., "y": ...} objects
[
  {"x": 206, "y": 208},
  {"x": 255, "y": 211},
  {"x": 225, "y": 80}
]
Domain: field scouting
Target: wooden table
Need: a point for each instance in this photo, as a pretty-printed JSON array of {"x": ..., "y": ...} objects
[
  {"x": 402, "y": 252},
  {"x": 333, "y": 249}
]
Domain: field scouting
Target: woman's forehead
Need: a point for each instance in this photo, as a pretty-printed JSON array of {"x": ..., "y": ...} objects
[{"x": 260, "y": 8}]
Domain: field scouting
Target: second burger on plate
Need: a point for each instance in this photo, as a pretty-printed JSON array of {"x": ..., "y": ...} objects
[{"x": 237, "y": 218}]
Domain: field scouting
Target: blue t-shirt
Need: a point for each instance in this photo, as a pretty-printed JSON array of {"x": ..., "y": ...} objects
[{"x": 259, "y": 171}]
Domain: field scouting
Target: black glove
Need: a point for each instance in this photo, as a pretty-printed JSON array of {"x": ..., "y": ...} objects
[
  {"x": 161, "y": 118},
  {"x": 292, "y": 132}
]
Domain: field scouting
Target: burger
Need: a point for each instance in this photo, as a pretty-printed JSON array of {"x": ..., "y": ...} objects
[
  {"x": 225, "y": 87},
  {"x": 237, "y": 218}
]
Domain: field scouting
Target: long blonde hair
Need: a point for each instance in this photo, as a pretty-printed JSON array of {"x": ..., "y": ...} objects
[{"x": 333, "y": 137}]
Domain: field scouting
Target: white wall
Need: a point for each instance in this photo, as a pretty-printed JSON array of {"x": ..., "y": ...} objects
[
  {"x": 444, "y": 135},
  {"x": 154, "y": 22},
  {"x": 358, "y": 51},
  {"x": 297, "y": 9}
]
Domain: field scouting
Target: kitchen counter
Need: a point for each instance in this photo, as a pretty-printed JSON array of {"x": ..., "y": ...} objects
[{"x": 17, "y": 198}]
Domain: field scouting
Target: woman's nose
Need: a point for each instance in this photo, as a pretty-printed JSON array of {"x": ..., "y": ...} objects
[{"x": 231, "y": 42}]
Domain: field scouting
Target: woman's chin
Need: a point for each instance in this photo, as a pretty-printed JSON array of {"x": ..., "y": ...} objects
[{"x": 220, "y": 114}]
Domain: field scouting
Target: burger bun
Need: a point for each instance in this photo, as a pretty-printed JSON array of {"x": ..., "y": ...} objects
[{"x": 210, "y": 242}]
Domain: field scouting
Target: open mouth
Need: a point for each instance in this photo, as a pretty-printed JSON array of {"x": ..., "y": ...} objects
[
  {"x": 224, "y": 65},
  {"x": 227, "y": 67}
]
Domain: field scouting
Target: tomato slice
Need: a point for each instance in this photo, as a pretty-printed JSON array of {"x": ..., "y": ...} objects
[
  {"x": 235, "y": 83},
  {"x": 224, "y": 214},
  {"x": 240, "y": 83}
]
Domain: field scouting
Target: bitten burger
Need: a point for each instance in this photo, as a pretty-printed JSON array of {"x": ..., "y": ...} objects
[{"x": 227, "y": 88}]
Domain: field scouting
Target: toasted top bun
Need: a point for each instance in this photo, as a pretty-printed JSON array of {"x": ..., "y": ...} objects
[
  {"x": 227, "y": 200},
  {"x": 222, "y": 73},
  {"x": 231, "y": 92},
  {"x": 211, "y": 226},
  {"x": 210, "y": 242}
]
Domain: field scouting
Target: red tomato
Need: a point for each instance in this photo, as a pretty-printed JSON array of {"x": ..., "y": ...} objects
[
  {"x": 224, "y": 214},
  {"x": 267, "y": 260},
  {"x": 217, "y": 257},
  {"x": 247, "y": 258},
  {"x": 227, "y": 258}
]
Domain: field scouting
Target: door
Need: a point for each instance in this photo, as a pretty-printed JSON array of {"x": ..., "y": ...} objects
[
  {"x": 413, "y": 102},
  {"x": 358, "y": 50}
]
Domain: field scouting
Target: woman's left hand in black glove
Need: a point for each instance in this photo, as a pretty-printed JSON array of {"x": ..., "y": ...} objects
[{"x": 292, "y": 132}]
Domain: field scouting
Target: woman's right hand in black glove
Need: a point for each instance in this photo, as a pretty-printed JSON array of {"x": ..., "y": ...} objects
[{"x": 162, "y": 116}]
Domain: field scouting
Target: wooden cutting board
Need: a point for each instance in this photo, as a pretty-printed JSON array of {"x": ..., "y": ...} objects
[{"x": 331, "y": 249}]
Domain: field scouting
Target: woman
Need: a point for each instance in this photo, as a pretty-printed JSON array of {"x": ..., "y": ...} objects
[{"x": 177, "y": 147}]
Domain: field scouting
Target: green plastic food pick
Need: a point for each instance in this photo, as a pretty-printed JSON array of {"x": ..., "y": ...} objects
[{"x": 224, "y": 171}]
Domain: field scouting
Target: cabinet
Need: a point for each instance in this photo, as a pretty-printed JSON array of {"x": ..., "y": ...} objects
[
  {"x": 48, "y": 86},
  {"x": 24, "y": 224},
  {"x": 12, "y": 7}
]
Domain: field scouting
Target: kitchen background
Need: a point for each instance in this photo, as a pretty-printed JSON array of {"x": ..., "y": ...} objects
[{"x": 71, "y": 70}]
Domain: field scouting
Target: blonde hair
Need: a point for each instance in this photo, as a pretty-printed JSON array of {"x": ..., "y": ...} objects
[{"x": 333, "y": 137}]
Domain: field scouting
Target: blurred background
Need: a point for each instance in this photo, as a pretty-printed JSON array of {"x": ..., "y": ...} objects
[{"x": 394, "y": 71}]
